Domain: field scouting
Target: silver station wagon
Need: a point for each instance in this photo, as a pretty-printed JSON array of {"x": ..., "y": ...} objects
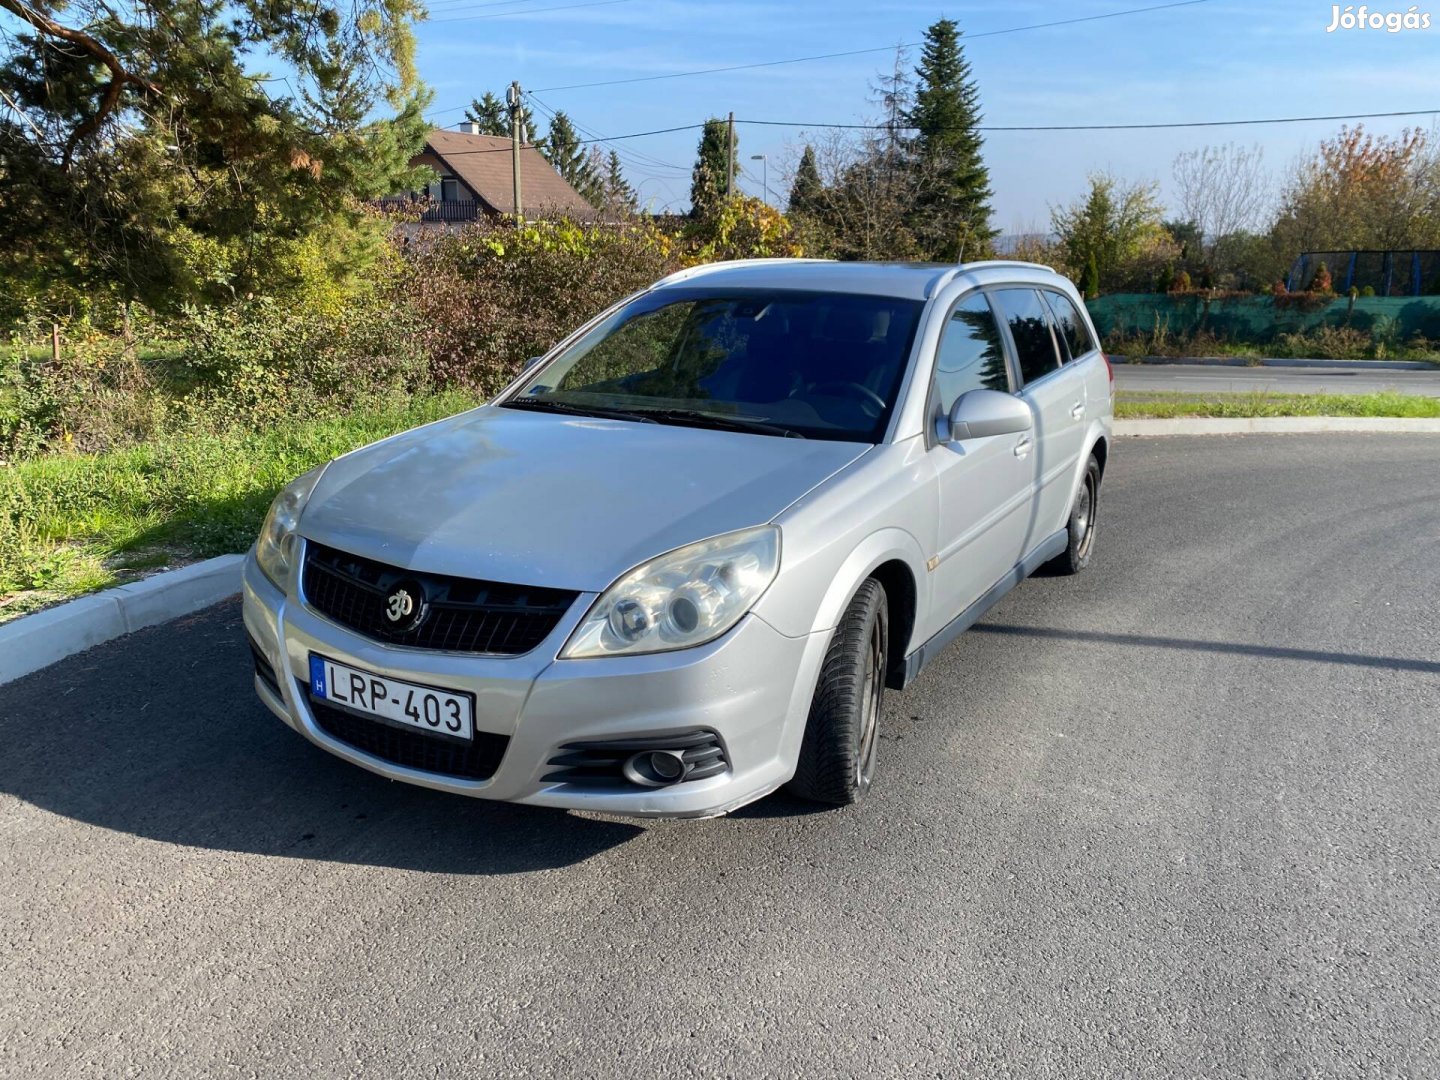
[{"x": 676, "y": 563}]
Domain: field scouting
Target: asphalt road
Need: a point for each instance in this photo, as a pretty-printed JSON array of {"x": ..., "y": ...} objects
[
  {"x": 1217, "y": 379},
  {"x": 1175, "y": 817}
]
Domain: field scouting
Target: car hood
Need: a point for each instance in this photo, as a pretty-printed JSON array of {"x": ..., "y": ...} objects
[{"x": 546, "y": 499}]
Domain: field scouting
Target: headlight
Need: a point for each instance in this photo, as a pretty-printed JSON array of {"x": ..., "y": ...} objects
[
  {"x": 688, "y": 597},
  {"x": 275, "y": 546}
]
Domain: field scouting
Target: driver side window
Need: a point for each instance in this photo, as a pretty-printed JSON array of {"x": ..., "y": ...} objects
[{"x": 971, "y": 356}]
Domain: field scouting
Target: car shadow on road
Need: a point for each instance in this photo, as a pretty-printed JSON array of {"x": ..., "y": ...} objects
[
  {"x": 161, "y": 735},
  {"x": 1275, "y": 652}
]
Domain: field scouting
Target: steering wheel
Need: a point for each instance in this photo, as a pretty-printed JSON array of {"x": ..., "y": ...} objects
[{"x": 854, "y": 389}]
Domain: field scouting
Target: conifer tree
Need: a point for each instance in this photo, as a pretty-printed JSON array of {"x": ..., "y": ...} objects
[{"x": 952, "y": 214}]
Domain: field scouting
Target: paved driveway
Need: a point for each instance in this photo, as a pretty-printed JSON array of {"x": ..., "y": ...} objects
[{"x": 1176, "y": 817}]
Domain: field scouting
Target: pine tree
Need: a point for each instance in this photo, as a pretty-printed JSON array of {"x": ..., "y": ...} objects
[
  {"x": 952, "y": 214},
  {"x": 141, "y": 157},
  {"x": 619, "y": 195},
  {"x": 493, "y": 116},
  {"x": 572, "y": 161},
  {"x": 708, "y": 188},
  {"x": 807, "y": 190}
]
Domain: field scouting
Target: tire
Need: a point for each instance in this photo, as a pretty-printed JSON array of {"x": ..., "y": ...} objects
[
  {"x": 1081, "y": 526},
  {"x": 837, "y": 757}
]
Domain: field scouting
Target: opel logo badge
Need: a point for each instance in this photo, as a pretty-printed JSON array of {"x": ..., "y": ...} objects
[{"x": 404, "y": 606}]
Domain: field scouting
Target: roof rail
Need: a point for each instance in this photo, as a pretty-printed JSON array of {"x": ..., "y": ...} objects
[
  {"x": 995, "y": 264},
  {"x": 705, "y": 268},
  {"x": 951, "y": 273}
]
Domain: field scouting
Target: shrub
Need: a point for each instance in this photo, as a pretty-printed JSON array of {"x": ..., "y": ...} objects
[
  {"x": 490, "y": 296},
  {"x": 1368, "y": 291}
]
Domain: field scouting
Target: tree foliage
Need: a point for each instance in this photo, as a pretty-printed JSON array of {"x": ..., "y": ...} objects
[
  {"x": 952, "y": 214},
  {"x": 708, "y": 184},
  {"x": 1364, "y": 191},
  {"x": 144, "y": 159},
  {"x": 1114, "y": 235},
  {"x": 620, "y": 197},
  {"x": 573, "y": 161},
  {"x": 807, "y": 189},
  {"x": 1223, "y": 190}
]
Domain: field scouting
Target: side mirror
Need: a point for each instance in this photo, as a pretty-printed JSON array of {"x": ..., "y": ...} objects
[
  {"x": 529, "y": 364},
  {"x": 980, "y": 413}
]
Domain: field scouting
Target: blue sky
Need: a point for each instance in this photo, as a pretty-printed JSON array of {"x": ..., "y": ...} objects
[{"x": 1217, "y": 60}]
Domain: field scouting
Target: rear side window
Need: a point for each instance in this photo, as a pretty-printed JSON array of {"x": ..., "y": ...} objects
[
  {"x": 971, "y": 356},
  {"x": 1030, "y": 325},
  {"x": 1071, "y": 325}
]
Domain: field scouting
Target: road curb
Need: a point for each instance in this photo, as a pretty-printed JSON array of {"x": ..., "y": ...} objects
[
  {"x": 1275, "y": 425},
  {"x": 1241, "y": 361},
  {"x": 32, "y": 642}
]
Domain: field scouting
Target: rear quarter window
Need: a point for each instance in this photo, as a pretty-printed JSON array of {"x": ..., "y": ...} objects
[{"x": 1071, "y": 325}]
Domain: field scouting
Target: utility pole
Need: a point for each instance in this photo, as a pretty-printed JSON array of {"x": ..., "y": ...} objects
[
  {"x": 730, "y": 158},
  {"x": 516, "y": 99}
]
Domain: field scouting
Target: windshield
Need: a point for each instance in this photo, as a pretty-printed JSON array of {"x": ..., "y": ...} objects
[{"x": 776, "y": 362}]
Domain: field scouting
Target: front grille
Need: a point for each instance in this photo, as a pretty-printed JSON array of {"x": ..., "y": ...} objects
[
  {"x": 473, "y": 759},
  {"x": 601, "y": 763},
  {"x": 456, "y": 615}
]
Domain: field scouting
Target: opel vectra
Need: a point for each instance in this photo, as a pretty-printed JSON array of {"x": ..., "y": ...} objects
[{"x": 677, "y": 562}]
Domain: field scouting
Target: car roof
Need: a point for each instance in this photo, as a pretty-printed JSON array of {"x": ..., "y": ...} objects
[{"x": 918, "y": 281}]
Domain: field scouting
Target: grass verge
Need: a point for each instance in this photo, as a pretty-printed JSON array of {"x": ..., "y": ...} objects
[
  {"x": 74, "y": 523},
  {"x": 1132, "y": 406}
]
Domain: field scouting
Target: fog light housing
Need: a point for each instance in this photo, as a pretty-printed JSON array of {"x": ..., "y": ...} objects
[{"x": 656, "y": 768}]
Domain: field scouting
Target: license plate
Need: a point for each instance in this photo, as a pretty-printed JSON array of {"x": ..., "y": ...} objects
[{"x": 440, "y": 712}]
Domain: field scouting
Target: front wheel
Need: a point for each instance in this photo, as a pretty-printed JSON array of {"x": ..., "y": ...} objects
[
  {"x": 837, "y": 758},
  {"x": 1080, "y": 530}
]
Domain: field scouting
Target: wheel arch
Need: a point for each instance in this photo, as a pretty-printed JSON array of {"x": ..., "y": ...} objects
[{"x": 1101, "y": 449}]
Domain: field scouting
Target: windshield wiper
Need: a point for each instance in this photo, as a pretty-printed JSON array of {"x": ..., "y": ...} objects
[
  {"x": 602, "y": 411},
  {"x": 725, "y": 421}
]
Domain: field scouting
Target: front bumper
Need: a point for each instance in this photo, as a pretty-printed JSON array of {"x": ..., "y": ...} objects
[{"x": 751, "y": 687}]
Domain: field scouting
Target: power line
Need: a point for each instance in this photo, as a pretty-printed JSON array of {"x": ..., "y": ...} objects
[
  {"x": 1016, "y": 127},
  {"x": 1115, "y": 127},
  {"x": 562, "y": 7},
  {"x": 470, "y": 5},
  {"x": 581, "y": 142},
  {"x": 862, "y": 52},
  {"x": 635, "y": 158}
]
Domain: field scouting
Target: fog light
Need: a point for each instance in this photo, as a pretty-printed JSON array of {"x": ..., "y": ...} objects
[{"x": 656, "y": 768}]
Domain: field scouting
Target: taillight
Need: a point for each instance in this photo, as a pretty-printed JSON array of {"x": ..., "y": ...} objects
[{"x": 1109, "y": 370}]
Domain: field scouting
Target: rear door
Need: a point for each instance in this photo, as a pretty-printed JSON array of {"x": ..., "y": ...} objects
[
  {"x": 985, "y": 487},
  {"x": 1056, "y": 393}
]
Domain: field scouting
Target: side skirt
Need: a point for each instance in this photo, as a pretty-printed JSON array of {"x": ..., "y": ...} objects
[{"x": 1050, "y": 547}]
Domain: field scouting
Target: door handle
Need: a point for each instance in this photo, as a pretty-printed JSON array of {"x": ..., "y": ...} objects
[
  {"x": 1077, "y": 410},
  {"x": 1022, "y": 448}
]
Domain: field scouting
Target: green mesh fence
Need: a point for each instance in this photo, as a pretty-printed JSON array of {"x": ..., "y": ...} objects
[{"x": 1258, "y": 320}]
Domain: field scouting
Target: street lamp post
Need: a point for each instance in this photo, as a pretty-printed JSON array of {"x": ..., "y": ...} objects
[{"x": 764, "y": 173}]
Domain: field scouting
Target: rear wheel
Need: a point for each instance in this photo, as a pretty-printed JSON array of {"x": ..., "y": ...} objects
[
  {"x": 1080, "y": 531},
  {"x": 837, "y": 758}
]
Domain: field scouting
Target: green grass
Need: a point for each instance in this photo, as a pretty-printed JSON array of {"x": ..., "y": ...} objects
[
  {"x": 1132, "y": 406},
  {"x": 74, "y": 523}
]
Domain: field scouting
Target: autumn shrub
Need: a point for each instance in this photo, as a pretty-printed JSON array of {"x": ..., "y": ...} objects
[{"x": 488, "y": 297}]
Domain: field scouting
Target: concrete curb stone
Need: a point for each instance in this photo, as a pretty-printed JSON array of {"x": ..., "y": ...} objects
[{"x": 32, "y": 642}]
